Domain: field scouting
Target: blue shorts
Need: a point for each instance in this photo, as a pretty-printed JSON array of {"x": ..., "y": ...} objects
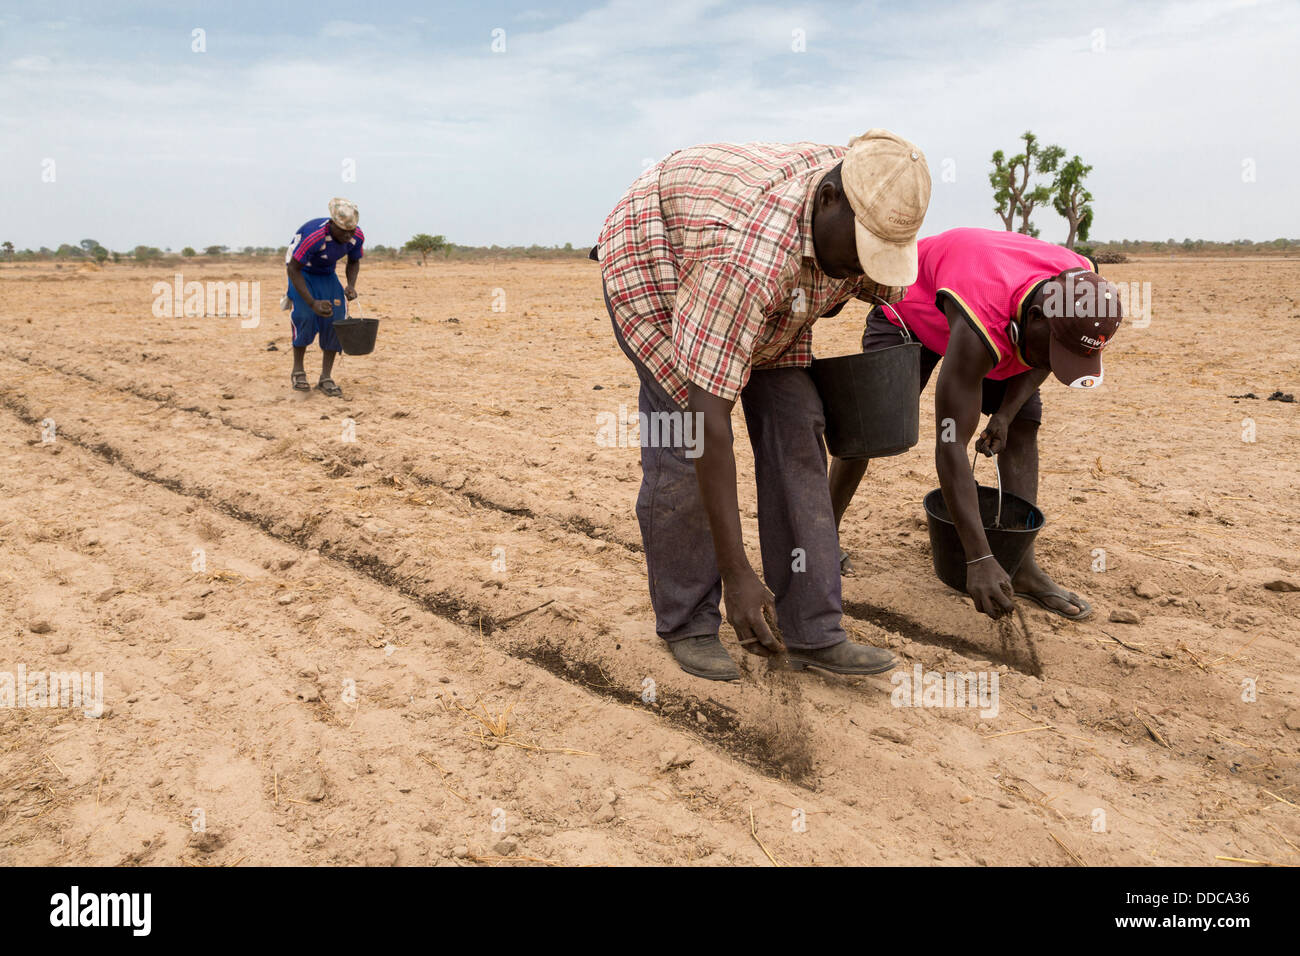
[{"x": 306, "y": 323}]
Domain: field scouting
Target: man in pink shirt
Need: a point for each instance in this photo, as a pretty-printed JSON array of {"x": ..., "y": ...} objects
[{"x": 1003, "y": 310}]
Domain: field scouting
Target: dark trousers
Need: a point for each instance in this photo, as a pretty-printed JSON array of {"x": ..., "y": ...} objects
[{"x": 796, "y": 526}]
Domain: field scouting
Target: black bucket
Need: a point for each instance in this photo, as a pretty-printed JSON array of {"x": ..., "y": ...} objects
[
  {"x": 1020, "y": 523},
  {"x": 872, "y": 401},
  {"x": 357, "y": 336}
]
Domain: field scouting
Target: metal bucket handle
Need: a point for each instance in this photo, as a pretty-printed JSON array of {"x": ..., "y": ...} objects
[
  {"x": 997, "y": 520},
  {"x": 907, "y": 334}
]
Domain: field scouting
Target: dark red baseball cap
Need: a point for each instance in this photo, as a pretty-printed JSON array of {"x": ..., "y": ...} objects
[{"x": 1084, "y": 312}]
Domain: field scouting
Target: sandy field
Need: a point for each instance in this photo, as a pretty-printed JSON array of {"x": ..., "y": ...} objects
[{"x": 433, "y": 645}]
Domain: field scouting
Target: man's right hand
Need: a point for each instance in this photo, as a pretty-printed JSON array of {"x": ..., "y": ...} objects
[
  {"x": 990, "y": 587},
  {"x": 323, "y": 308},
  {"x": 747, "y": 598}
]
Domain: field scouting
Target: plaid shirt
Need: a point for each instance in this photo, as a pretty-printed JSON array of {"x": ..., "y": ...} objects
[{"x": 709, "y": 265}]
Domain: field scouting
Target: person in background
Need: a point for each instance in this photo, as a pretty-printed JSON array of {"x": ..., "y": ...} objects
[{"x": 314, "y": 293}]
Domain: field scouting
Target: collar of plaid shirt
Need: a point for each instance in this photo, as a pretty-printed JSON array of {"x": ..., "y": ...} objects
[
  {"x": 809, "y": 196},
  {"x": 863, "y": 288}
]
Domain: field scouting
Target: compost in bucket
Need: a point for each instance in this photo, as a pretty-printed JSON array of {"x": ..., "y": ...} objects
[{"x": 357, "y": 336}]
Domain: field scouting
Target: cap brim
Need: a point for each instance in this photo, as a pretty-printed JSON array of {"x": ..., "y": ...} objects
[
  {"x": 888, "y": 263},
  {"x": 1076, "y": 371}
]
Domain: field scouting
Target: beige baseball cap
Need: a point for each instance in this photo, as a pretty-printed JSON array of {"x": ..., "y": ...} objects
[
  {"x": 344, "y": 212},
  {"x": 887, "y": 182}
]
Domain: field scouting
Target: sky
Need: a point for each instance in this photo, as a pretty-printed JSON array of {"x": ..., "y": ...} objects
[{"x": 520, "y": 123}]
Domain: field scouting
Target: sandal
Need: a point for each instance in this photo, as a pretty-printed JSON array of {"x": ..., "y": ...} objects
[
  {"x": 299, "y": 380},
  {"x": 1069, "y": 597},
  {"x": 327, "y": 386}
]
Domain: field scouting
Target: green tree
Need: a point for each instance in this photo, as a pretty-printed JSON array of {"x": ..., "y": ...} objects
[
  {"x": 1072, "y": 200},
  {"x": 214, "y": 250},
  {"x": 8, "y": 248},
  {"x": 425, "y": 244},
  {"x": 100, "y": 254},
  {"x": 1012, "y": 191},
  {"x": 146, "y": 254},
  {"x": 188, "y": 252}
]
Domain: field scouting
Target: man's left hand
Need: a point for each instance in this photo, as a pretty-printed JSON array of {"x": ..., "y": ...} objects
[
  {"x": 994, "y": 437},
  {"x": 350, "y": 292}
]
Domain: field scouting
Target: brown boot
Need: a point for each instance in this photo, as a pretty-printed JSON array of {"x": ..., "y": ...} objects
[
  {"x": 705, "y": 657},
  {"x": 844, "y": 658}
]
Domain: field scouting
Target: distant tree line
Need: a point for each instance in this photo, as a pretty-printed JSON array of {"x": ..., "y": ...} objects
[
  {"x": 89, "y": 250},
  {"x": 93, "y": 250},
  {"x": 419, "y": 247},
  {"x": 425, "y": 245},
  {"x": 1193, "y": 246}
]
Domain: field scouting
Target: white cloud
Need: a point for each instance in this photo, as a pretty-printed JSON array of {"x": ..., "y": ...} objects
[
  {"x": 31, "y": 64},
  {"x": 534, "y": 145},
  {"x": 347, "y": 30}
]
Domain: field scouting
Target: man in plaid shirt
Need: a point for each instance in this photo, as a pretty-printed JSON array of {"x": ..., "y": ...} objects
[{"x": 716, "y": 263}]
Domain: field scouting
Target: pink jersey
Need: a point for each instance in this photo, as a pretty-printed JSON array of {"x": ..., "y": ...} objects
[{"x": 988, "y": 274}]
